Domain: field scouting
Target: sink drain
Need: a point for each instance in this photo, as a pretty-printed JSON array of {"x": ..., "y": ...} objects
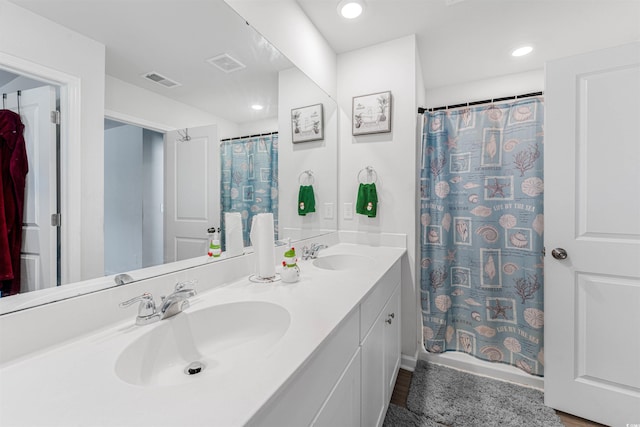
[{"x": 194, "y": 368}]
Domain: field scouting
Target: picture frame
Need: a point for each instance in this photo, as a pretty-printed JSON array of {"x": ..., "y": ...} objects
[
  {"x": 371, "y": 113},
  {"x": 307, "y": 123}
]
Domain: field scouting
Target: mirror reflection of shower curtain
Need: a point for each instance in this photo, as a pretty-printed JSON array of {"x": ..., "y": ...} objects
[
  {"x": 481, "y": 189},
  {"x": 249, "y": 179}
]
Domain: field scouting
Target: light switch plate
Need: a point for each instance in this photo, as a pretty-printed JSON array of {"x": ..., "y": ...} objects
[
  {"x": 328, "y": 211},
  {"x": 347, "y": 211}
]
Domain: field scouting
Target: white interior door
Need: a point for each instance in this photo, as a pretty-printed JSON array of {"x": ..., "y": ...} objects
[
  {"x": 39, "y": 237},
  {"x": 192, "y": 193},
  {"x": 592, "y": 209}
]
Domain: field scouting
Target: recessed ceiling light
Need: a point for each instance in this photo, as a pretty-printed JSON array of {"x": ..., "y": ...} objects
[
  {"x": 521, "y": 51},
  {"x": 350, "y": 9},
  {"x": 257, "y": 107}
]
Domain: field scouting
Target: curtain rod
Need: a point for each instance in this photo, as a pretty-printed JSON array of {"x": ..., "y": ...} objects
[
  {"x": 249, "y": 136},
  {"x": 484, "y": 101}
]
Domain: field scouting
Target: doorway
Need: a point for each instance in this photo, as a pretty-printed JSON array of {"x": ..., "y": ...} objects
[
  {"x": 38, "y": 105},
  {"x": 133, "y": 197}
]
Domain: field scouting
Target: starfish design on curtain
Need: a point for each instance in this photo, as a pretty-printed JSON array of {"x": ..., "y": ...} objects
[
  {"x": 452, "y": 143},
  {"x": 496, "y": 189},
  {"x": 451, "y": 256},
  {"x": 499, "y": 310}
]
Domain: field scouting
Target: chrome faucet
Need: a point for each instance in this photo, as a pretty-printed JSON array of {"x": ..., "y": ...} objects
[
  {"x": 171, "y": 305},
  {"x": 312, "y": 252},
  {"x": 146, "y": 310},
  {"x": 177, "y": 301}
]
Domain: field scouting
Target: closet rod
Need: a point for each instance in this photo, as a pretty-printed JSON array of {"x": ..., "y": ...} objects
[
  {"x": 485, "y": 101},
  {"x": 249, "y": 136}
]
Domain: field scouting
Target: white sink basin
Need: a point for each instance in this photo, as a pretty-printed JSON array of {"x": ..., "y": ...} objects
[
  {"x": 343, "y": 262},
  {"x": 218, "y": 338}
]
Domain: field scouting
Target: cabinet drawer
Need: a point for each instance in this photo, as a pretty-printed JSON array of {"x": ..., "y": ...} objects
[{"x": 377, "y": 298}]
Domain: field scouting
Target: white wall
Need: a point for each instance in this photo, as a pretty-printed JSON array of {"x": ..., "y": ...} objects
[
  {"x": 126, "y": 102},
  {"x": 28, "y": 41},
  {"x": 21, "y": 83},
  {"x": 260, "y": 126},
  {"x": 496, "y": 87},
  {"x": 152, "y": 198},
  {"x": 123, "y": 199},
  {"x": 296, "y": 90},
  {"x": 286, "y": 26},
  {"x": 385, "y": 66}
]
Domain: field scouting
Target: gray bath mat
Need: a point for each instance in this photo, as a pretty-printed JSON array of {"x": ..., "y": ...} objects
[{"x": 454, "y": 398}]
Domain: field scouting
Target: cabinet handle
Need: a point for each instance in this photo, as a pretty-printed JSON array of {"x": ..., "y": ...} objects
[
  {"x": 389, "y": 321},
  {"x": 392, "y": 315}
]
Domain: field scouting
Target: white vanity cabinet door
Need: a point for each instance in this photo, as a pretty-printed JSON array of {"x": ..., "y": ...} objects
[
  {"x": 373, "y": 377},
  {"x": 380, "y": 362},
  {"x": 392, "y": 341},
  {"x": 342, "y": 407}
]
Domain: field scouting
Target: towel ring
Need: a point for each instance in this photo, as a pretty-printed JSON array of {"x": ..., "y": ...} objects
[
  {"x": 371, "y": 174},
  {"x": 309, "y": 177}
]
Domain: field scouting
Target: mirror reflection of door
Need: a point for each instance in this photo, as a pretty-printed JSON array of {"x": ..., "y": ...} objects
[
  {"x": 39, "y": 255},
  {"x": 192, "y": 191},
  {"x": 133, "y": 197}
]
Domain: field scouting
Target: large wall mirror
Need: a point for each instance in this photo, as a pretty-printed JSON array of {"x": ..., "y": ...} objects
[{"x": 188, "y": 85}]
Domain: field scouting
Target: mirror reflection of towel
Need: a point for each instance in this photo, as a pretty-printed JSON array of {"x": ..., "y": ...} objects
[
  {"x": 306, "y": 200},
  {"x": 367, "y": 202}
]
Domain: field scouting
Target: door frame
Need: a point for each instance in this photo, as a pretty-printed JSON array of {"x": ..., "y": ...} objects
[{"x": 70, "y": 158}]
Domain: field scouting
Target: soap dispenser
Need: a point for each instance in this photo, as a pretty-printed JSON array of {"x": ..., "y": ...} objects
[{"x": 214, "y": 243}]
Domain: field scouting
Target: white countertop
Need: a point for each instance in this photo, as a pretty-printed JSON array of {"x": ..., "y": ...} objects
[{"x": 76, "y": 383}]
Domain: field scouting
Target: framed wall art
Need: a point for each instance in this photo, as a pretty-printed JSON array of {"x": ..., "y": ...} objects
[
  {"x": 307, "y": 123},
  {"x": 371, "y": 113}
]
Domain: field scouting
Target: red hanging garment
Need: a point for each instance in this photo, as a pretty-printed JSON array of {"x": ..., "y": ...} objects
[{"x": 13, "y": 171}]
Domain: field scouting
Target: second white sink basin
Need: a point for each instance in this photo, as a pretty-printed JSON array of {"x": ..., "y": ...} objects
[
  {"x": 211, "y": 341},
  {"x": 343, "y": 262}
]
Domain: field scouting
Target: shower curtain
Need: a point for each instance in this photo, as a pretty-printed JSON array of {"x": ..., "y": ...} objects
[
  {"x": 249, "y": 179},
  {"x": 481, "y": 185}
]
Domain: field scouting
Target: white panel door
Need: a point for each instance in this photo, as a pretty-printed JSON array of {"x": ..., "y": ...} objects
[
  {"x": 39, "y": 237},
  {"x": 592, "y": 209},
  {"x": 192, "y": 191}
]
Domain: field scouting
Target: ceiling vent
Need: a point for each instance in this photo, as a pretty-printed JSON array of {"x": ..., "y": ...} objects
[
  {"x": 161, "y": 80},
  {"x": 226, "y": 63}
]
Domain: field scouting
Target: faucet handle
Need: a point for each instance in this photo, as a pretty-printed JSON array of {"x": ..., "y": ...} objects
[
  {"x": 181, "y": 285},
  {"x": 147, "y": 305}
]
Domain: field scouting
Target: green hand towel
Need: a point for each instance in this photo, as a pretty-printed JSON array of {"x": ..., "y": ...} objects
[
  {"x": 367, "y": 201},
  {"x": 306, "y": 200},
  {"x": 372, "y": 201},
  {"x": 361, "y": 201}
]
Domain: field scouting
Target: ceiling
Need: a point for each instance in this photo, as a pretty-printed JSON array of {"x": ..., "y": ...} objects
[
  {"x": 467, "y": 40},
  {"x": 175, "y": 38},
  {"x": 458, "y": 40}
]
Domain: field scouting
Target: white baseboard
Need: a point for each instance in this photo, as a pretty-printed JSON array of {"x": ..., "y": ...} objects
[
  {"x": 408, "y": 363},
  {"x": 498, "y": 371}
]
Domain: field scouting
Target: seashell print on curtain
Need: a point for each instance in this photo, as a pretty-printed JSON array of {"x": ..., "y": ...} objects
[
  {"x": 249, "y": 180},
  {"x": 482, "y": 225}
]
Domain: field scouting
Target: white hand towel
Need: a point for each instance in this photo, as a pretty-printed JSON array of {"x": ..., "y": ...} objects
[
  {"x": 263, "y": 245},
  {"x": 234, "y": 245}
]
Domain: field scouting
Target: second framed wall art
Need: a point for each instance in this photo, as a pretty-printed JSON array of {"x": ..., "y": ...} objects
[
  {"x": 307, "y": 123},
  {"x": 371, "y": 113}
]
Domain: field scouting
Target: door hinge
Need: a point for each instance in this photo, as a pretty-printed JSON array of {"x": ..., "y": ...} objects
[
  {"x": 55, "y": 220},
  {"x": 55, "y": 117}
]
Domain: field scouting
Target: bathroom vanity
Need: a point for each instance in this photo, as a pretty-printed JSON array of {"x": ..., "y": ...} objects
[{"x": 322, "y": 351}]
